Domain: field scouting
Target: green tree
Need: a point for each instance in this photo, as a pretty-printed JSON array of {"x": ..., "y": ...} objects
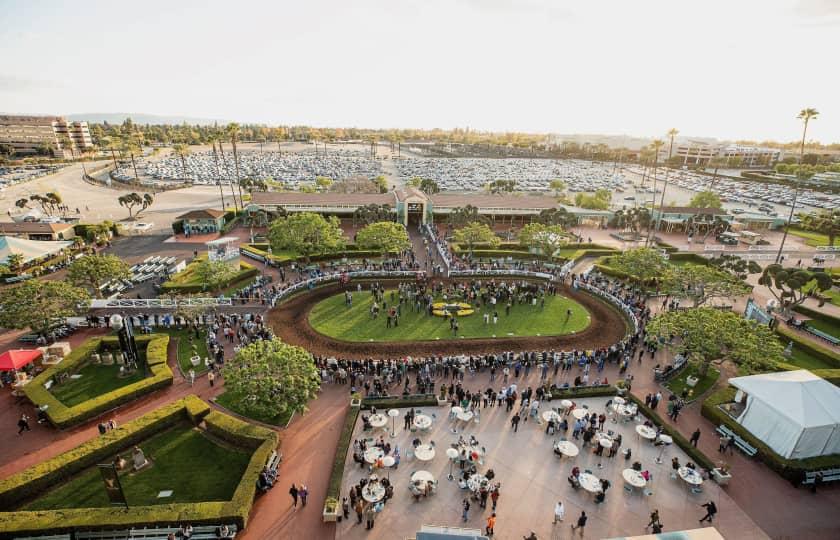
[
  {"x": 38, "y": 304},
  {"x": 825, "y": 222},
  {"x": 546, "y": 238},
  {"x": 130, "y": 200},
  {"x": 702, "y": 283},
  {"x": 708, "y": 334},
  {"x": 429, "y": 186},
  {"x": 791, "y": 286},
  {"x": 323, "y": 182},
  {"x": 735, "y": 265},
  {"x": 706, "y": 199},
  {"x": 372, "y": 213},
  {"x": 644, "y": 264},
  {"x": 476, "y": 233},
  {"x": 465, "y": 215},
  {"x": 233, "y": 131},
  {"x": 213, "y": 274},
  {"x": 501, "y": 186},
  {"x": 213, "y": 138},
  {"x": 306, "y": 233},
  {"x": 182, "y": 151},
  {"x": 600, "y": 200},
  {"x": 271, "y": 378},
  {"x": 15, "y": 262},
  {"x": 556, "y": 216},
  {"x": 382, "y": 183},
  {"x": 559, "y": 186},
  {"x": 385, "y": 237},
  {"x": 673, "y": 132},
  {"x": 92, "y": 271}
]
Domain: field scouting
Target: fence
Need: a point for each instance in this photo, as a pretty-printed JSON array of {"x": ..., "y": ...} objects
[{"x": 147, "y": 303}]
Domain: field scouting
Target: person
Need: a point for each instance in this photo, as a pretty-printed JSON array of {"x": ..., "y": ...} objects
[
  {"x": 654, "y": 518},
  {"x": 695, "y": 437},
  {"x": 466, "y": 506},
  {"x": 494, "y": 496},
  {"x": 724, "y": 442},
  {"x": 187, "y": 531},
  {"x": 559, "y": 512},
  {"x": 293, "y": 491},
  {"x": 581, "y": 523},
  {"x": 303, "y": 492},
  {"x": 224, "y": 532},
  {"x": 211, "y": 377},
  {"x": 514, "y": 422},
  {"x": 192, "y": 377},
  {"x": 360, "y": 510},
  {"x": 818, "y": 480},
  {"x": 491, "y": 522},
  {"x": 711, "y": 510},
  {"x": 23, "y": 424},
  {"x": 370, "y": 516},
  {"x": 532, "y": 536}
]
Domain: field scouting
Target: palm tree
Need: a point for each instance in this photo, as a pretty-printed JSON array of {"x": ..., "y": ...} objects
[
  {"x": 131, "y": 144},
  {"x": 655, "y": 146},
  {"x": 232, "y": 131},
  {"x": 806, "y": 115},
  {"x": 212, "y": 138},
  {"x": 182, "y": 150},
  {"x": 673, "y": 132}
]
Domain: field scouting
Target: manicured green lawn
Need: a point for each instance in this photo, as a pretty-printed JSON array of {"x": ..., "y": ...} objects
[
  {"x": 231, "y": 402},
  {"x": 677, "y": 384},
  {"x": 95, "y": 381},
  {"x": 185, "y": 348},
  {"x": 189, "y": 277},
  {"x": 800, "y": 357},
  {"x": 332, "y": 318},
  {"x": 193, "y": 466},
  {"x": 826, "y": 327},
  {"x": 813, "y": 239}
]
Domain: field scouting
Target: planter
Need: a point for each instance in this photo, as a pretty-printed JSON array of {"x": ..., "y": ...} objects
[
  {"x": 442, "y": 402},
  {"x": 691, "y": 382},
  {"x": 195, "y": 360},
  {"x": 355, "y": 402},
  {"x": 330, "y": 512},
  {"x": 721, "y": 477}
]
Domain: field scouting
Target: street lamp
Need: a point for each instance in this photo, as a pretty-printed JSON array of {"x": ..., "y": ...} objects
[{"x": 128, "y": 347}]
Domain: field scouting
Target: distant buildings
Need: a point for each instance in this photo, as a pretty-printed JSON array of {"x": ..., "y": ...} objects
[
  {"x": 27, "y": 135},
  {"x": 734, "y": 155}
]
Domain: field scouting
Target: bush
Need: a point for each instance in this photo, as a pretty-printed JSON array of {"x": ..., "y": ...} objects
[
  {"x": 246, "y": 271},
  {"x": 62, "y": 416},
  {"x": 689, "y": 257},
  {"x": 34, "y": 480},
  {"x": 178, "y": 227},
  {"x": 334, "y": 487},
  {"x": 791, "y": 469}
]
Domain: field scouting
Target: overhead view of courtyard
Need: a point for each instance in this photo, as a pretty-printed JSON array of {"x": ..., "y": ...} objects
[{"x": 596, "y": 302}]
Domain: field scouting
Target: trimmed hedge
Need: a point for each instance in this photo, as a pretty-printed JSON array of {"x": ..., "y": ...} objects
[
  {"x": 818, "y": 315},
  {"x": 63, "y": 416},
  {"x": 823, "y": 353},
  {"x": 236, "y": 431},
  {"x": 349, "y": 251},
  {"x": 791, "y": 469},
  {"x": 35, "y": 479},
  {"x": 246, "y": 271},
  {"x": 334, "y": 487},
  {"x": 689, "y": 257},
  {"x": 398, "y": 402}
]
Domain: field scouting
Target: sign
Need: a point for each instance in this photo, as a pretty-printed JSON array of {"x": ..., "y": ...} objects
[{"x": 113, "y": 488}]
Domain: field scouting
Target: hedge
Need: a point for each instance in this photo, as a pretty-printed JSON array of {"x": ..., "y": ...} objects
[
  {"x": 334, "y": 487},
  {"x": 791, "y": 469},
  {"x": 818, "y": 315},
  {"x": 823, "y": 353},
  {"x": 398, "y": 402},
  {"x": 689, "y": 257},
  {"x": 246, "y": 271},
  {"x": 63, "y": 416},
  {"x": 35, "y": 479},
  {"x": 236, "y": 431},
  {"x": 349, "y": 251}
]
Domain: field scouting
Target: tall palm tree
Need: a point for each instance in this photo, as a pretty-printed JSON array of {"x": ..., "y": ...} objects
[
  {"x": 673, "y": 132},
  {"x": 233, "y": 130},
  {"x": 131, "y": 146},
  {"x": 182, "y": 150},
  {"x": 806, "y": 115},
  {"x": 654, "y": 146},
  {"x": 212, "y": 137},
  {"x": 110, "y": 144}
]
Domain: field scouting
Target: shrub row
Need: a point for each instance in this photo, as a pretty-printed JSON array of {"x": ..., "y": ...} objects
[
  {"x": 62, "y": 416},
  {"x": 334, "y": 487},
  {"x": 236, "y": 431},
  {"x": 791, "y": 469},
  {"x": 823, "y": 353},
  {"x": 689, "y": 257},
  {"x": 816, "y": 314},
  {"x": 397, "y": 402},
  {"x": 349, "y": 251},
  {"x": 36, "y": 479},
  {"x": 246, "y": 271}
]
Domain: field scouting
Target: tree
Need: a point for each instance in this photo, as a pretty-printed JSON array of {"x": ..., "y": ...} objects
[
  {"x": 716, "y": 227},
  {"x": 600, "y": 200},
  {"x": 546, "y": 238},
  {"x": 372, "y": 213},
  {"x": 385, "y": 237},
  {"x": 476, "y": 233},
  {"x": 499, "y": 186},
  {"x": 22, "y": 203},
  {"x": 708, "y": 334},
  {"x": 825, "y": 222},
  {"x": 233, "y": 130},
  {"x": 323, "y": 182},
  {"x": 213, "y": 274},
  {"x": 93, "y": 271},
  {"x": 271, "y": 378},
  {"x": 673, "y": 132},
  {"x": 382, "y": 183},
  {"x": 559, "y": 186},
  {"x": 632, "y": 219},
  {"x": 702, "y": 283},
  {"x": 38, "y": 304},
  {"x": 556, "y": 216},
  {"x": 306, "y": 233},
  {"x": 15, "y": 262},
  {"x": 130, "y": 200},
  {"x": 132, "y": 145},
  {"x": 182, "y": 150},
  {"x": 644, "y": 264},
  {"x": 706, "y": 199},
  {"x": 791, "y": 286},
  {"x": 654, "y": 147},
  {"x": 465, "y": 215},
  {"x": 212, "y": 138},
  {"x": 735, "y": 265}
]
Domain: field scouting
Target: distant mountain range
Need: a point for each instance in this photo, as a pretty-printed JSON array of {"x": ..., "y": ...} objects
[{"x": 141, "y": 118}]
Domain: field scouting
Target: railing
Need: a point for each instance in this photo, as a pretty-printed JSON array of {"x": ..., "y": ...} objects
[
  {"x": 828, "y": 248},
  {"x": 613, "y": 300},
  {"x": 147, "y": 303}
]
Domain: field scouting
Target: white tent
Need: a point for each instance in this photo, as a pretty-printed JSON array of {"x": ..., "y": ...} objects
[
  {"x": 30, "y": 249},
  {"x": 795, "y": 413}
]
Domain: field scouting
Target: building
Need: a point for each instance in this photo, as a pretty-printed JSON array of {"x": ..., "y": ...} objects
[
  {"x": 44, "y": 134},
  {"x": 675, "y": 217},
  {"x": 202, "y": 221},
  {"x": 735, "y": 155},
  {"x": 38, "y": 231}
]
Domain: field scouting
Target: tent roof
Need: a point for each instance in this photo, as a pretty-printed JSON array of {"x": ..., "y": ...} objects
[
  {"x": 18, "y": 358},
  {"x": 30, "y": 249},
  {"x": 799, "y": 395}
]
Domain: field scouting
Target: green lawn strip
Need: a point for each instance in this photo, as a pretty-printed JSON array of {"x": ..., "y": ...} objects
[
  {"x": 812, "y": 239},
  {"x": 183, "y": 460},
  {"x": 678, "y": 383},
  {"x": 185, "y": 348},
  {"x": 95, "y": 380},
  {"x": 825, "y": 327},
  {"x": 232, "y": 401},
  {"x": 332, "y": 318}
]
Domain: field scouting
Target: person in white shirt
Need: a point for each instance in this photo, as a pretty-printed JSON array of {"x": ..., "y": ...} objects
[{"x": 559, "y": 511}]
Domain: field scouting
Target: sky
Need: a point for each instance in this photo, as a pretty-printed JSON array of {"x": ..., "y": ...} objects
[{"x": 731, "y": 69}]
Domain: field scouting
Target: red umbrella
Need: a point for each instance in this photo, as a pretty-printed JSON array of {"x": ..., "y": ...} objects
[{"x": 16, "y": 359}]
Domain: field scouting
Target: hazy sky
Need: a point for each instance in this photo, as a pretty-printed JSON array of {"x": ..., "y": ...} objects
[{"x": 724, "y": 68}]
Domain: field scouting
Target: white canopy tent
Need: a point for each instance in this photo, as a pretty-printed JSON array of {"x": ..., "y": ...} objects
[
  {"x": 30, "y": 249},
  {"x": 795, "y": 413}
]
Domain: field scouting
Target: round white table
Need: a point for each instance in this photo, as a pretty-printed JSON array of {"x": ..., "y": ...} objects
[
  {"x": 456, "y": 410},
  {"x": 625, "y": 410},
  {"x": 665, "y": 438},
  {"x": 476, "y": 481},
  {"x": 378, "y": 421},
  {"x": 566, "y": 404},
  {"x": 424, "y": 452},
  {"x": 465, "y": 416},
  {"x": 646, "y": 432},
  {"x": 421, "y": 421},
  {"x": 422, "y": 476},
  {"x": 373, "y": 453},
  {"x": 634, "y": 478},
  {"x": 579, "y": 413},
  {"x": 605, "y": 442},
  {"x": 373, "y": 492},
  {"x": 548, "y": 416},
  {"x": 451, "y": 453},
  {"x": 620, "y": 400},
  {"x": 567, "y": 448},
  {"x": 388, "y": 461},
  {"x": 589, "y": 482},
  {"x": 690, "y": 476}
]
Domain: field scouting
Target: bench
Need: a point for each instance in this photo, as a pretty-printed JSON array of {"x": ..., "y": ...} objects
[
  {"x": 104, "y": 535},
  {"x": 829, "y": 475},
  {"x": 822, "y": 335},
  {"x": 46, "y": 537},
  {"x": 273, "y": 461},
  {"x": 742, "y": 445}
]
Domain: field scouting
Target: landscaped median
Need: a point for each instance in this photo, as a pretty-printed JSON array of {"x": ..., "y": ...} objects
[
  {"x": 34, "y": 483},
  {"x": 62, "y": 415},
  {"x": 188, "y": 282}
]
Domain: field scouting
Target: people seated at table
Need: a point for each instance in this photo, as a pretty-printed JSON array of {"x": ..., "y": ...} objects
[
  {"x": 366, "y": 423},
  {"x": 550, "y": 427},
  {"x": 646, "y": 475},
  {"x": 358, "y": 458},
  {"x": 416, "y": 442},
  {"x": 675, "y": 463},
  {"x": 636, "y": 466},
  {"x": 491, "y": 474},
  {"x": 691, "y": 466},
  {"x": 574, "y": 478},
  {"x": 627, "y": 454}
]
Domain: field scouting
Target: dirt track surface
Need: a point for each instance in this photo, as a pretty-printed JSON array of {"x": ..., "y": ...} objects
[{"x": 290, "y": 322}]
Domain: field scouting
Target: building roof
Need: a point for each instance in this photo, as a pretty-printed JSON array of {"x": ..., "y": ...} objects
[
  {"x": 493, "y": 201},
  {"x": 799, "y": 395},
  {"x": 321, "y": 199},
  {"x": 409, "y": 191},
  {"x": 692, "y": 210},
  {"x": 207, "y": 213},
  {"x": 33, "y": 227}
]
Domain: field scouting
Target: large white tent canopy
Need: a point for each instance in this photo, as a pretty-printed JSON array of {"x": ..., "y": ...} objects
[
  {"x": 30, "y": 249},
  {"x": 795, "y": 413}
]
